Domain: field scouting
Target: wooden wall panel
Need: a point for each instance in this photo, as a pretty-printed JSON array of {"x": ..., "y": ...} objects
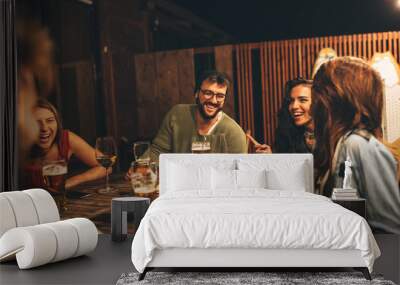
[
  {"x": 314, "y": 50},
  {"x": 147, "y": 96},
  {"x": 239, "y": 83},
  {"x": 186, "y": 76},
  {"x": 396, "y": 46},
  {"x": 167, "y": 77},
  {"x": 360, "y": 46},
  {"x": 110, "y": 95},
  {"x": 223, "y": 62},
  {"x": 86, "y": 101},
  {"x": 279, "y": 67},
  {"x": 272, "y": 88},
  {"x": 264, "y": 87},
  {"x": 279, "y": 62},
  {"x": 164, "y": 79},
  {"x": 284, "y": 60},
  {"x": 68, "y": 97},
  {"x": 77, "y": 91},
  {"x": 309, "y": 63},
  {"x": 124, "y": 93},
  {"x": 245, "y": 86},
  {"x": 285, "y": 63}
]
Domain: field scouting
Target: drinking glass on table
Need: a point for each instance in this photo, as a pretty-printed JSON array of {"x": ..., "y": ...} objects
[
  {"x": 106, "y": 156},
  {"x": 201, "y": 144},
  {"x": 54, "y": 174},
  {"x": 144, "y": 178}
]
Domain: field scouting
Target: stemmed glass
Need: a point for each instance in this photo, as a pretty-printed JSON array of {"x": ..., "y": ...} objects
[{"x": 106, "y": 156}]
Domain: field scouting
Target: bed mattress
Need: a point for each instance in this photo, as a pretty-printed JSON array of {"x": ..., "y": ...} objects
[{"x": 250, "y": 219}]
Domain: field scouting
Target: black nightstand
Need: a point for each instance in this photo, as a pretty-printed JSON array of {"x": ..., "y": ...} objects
[
  {"x": 120, "y": 207},
  {"x": 356, "y": 205}
]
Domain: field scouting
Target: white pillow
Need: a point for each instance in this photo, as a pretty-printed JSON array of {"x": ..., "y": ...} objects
[
  {"x": 224, "y": 179},
  {"x": 292, "y": 179},
  {"x": 251, "y": 178},
  {"x": 188, "y": 177}
]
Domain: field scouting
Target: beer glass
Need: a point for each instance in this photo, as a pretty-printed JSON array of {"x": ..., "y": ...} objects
[
  {"x": 106, "y": 156},
  {"x": 54, "y": 174},
  {"x": 201, "y": 144},
  {"x": 144, "y": 178}
]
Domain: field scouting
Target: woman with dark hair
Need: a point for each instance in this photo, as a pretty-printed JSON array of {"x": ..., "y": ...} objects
[
  {"x": 55, "y": 143},
  {"x": 295, "y": 131},
  {"x": 347, "y": 106}
]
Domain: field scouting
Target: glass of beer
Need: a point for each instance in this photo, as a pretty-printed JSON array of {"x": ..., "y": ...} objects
[
  {"x": 201, "y": 144},
  {"x": 106, "y": 156},
  {"x": 144, "y": 177},
  {"x": 54, "y": 174}
]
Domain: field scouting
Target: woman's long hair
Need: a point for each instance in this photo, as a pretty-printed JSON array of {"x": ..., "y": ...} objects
[
  {"x": 347, "y": 94},
  {"x": 289, "y": 138},
  {"x": 36, "y": 151}
]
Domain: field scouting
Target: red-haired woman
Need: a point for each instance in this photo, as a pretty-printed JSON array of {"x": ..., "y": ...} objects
[{"x": 347, "y": 97}]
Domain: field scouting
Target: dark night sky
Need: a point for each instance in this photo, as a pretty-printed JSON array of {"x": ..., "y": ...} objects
[{"x": 259, "y": 20}]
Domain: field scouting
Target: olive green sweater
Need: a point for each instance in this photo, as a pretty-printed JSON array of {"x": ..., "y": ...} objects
[{"x": 179, "y": 126}]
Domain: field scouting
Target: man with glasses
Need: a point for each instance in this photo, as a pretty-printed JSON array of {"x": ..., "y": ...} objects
[{"x": 204, "y": 118}]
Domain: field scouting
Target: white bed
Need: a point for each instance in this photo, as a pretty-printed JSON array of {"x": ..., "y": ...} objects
[{"x": 247, "y": 211}]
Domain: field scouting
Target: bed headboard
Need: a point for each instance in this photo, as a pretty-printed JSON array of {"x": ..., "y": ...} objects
[{"x": 280, "y": 163}]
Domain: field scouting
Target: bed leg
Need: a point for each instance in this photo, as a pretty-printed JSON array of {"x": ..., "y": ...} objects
[
  {"x": 143, "y": 274},
  {"x": 364, "y": 271}
]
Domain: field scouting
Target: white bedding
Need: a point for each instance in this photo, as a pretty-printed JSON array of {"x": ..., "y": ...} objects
[{"x": 251, "y": 218}]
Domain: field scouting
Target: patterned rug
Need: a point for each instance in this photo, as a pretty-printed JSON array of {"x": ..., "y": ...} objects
[{"x": 269, "y": 278}]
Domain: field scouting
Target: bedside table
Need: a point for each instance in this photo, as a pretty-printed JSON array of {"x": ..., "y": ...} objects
[
  {"x": 355, "y": 205},
  {"x": 120, "y": 207}
]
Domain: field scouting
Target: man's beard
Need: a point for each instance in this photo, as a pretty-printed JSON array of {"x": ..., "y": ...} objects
[{"x": 203, "y": 113}]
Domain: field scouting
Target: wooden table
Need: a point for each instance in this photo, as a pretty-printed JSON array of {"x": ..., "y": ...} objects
[{"x": 96, "y": 206}]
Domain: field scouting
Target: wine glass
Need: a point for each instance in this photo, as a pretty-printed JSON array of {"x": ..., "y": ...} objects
[{"x": 106, "y": 155}]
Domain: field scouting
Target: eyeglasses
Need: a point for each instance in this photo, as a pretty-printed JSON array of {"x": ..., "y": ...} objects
[{"x": 208, "y": 94}]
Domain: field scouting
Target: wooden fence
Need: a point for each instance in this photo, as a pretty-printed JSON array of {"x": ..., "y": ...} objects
[
  {"x": 259, "y": 69},
  {"x": 287, "y": 59}
]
